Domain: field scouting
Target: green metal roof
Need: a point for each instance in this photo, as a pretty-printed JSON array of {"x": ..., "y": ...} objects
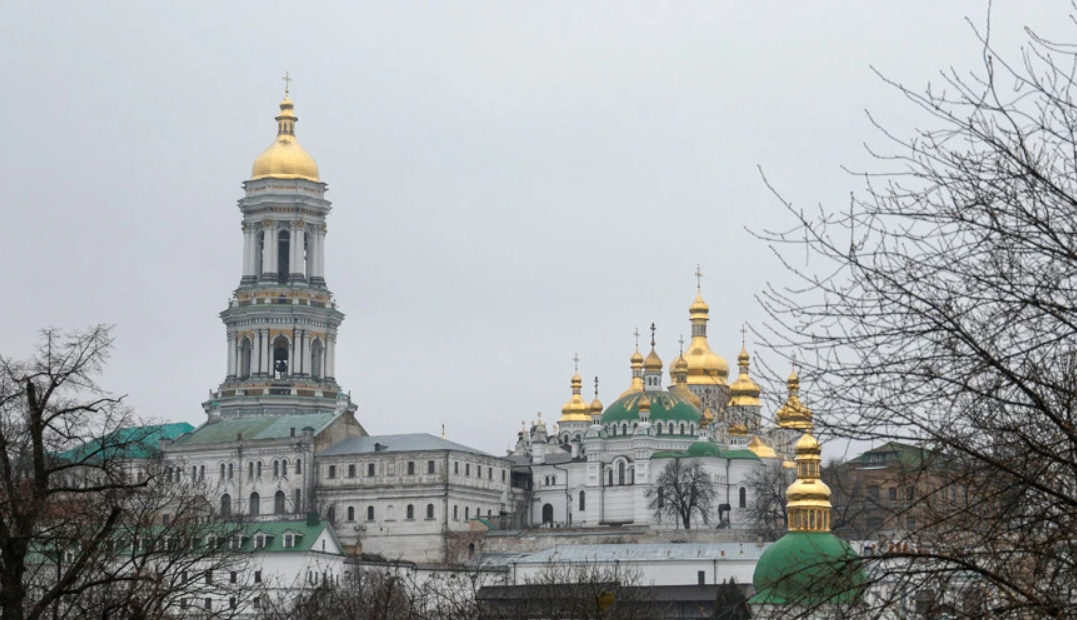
[
  {"x": 665, "y": 407},
  {"x": 263, "y": 427},
  {"x": 135, "y": 442},
  {"x": 808, "y": 569},
  {"x": 909, "y": 456},
  {"x": 706, "y": 449}
]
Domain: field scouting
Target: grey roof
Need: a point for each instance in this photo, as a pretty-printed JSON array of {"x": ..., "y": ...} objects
[
  {"x": 646, "y": 552},
  {"x": 397, "y": 443}
]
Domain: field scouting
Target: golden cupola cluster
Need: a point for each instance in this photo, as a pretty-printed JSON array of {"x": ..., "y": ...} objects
[
  {"x": 285, "y": 158},
  {"x": 744, "y": 392},
  {"x": 793, "y": 413},
  {"x": 576, "y": 410},
  {"x": 808, "y": 506},
  {"x": 705, "y": 367}
]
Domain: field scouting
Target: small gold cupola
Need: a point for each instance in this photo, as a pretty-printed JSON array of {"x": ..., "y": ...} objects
[
  {"x": 744, "y": 392},
  {"x": 793, "y": 413},
  {"x": 808, "y": 504},
  {"x": 576, "y": 410},
  {"x": 596, "y": 405},
  {"x": 705, "y": 367},
  {"x": 285, "y": 158},
  {"x": 636, "y": 364}
]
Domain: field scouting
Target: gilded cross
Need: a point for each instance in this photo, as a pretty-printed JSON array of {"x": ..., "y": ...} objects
[
  {"x": 576, "y": 361},
  {"x": 652, "y": 335},
  {"x": 287, "y": 83},
  {"x": 699, "y": 277},
  {"x": 596, "y": 387},
  {"x": 681, "y": 340},
  {"x": 636, "y": 334},
  {"x": 743, "y": 333}
]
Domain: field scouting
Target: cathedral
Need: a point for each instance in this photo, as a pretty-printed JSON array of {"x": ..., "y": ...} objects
[{"x": 599, "y": 465}]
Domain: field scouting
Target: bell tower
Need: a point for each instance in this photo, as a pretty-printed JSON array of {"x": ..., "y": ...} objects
[{"x": 281, "y": 322}]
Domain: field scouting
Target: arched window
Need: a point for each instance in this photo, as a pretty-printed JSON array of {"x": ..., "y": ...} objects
[
  {"x": 609, "y": 474},
  {"x": 621, "y": 473},
  {"x": 245, "y": 358},
  {"x": 369, "y": 513},
  {"x": 467, "y": 512},
  {"x": 298, "y": 505},
  {"x": 547, "y": 513},
  {"x": 278, "y": 503},
  {"x": 351, "y": 513},
  {"x": 298, "y": 466},
  {"x": 743, "y": 498},
  {"x": 661, "y": 498},
  {"x": 222, "y": 471},
  {"x": 411, "y": 512},
  {"x": 331, "y": 514},
  {"x": 280, "y": 357},
  {"x": 631, "y": 475},
  {"x": 250, "y": 469},
  {"x": 283, "y": 245},
  {"x": 276, "y": 469},
  {"x": 682, "y": 428},
  {"x": 429, "y": 511},
  {"x": 284, "y": 468},
  {"x": 255, "y": 506},
  {"x": 583, "y": 500},
  {"x": 226, "y": 505},
  {"x": 316, "y": 354},
  {"x": 258, "y": 469},
  {"x": 202, "y": 473},
  {"x": 471, "y": 550},
  {"x": 455, "y": 513},
  {"x": 658, "y": 428},
  {"x": 231, "y": 471}
]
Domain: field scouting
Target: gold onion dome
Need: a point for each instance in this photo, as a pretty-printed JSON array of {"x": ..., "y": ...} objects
[
  {"x": 285, "y": 158},
  {"x": 744, "y": 392},
  {"x": 793, "y": 413},
  {"x": 761, "y": 449},
  {"x": 705, "y": 367},
  {"x": 576, "y": 410},
  {"x": 637, "y": 374},
  {"x": 679, "y": 367},
  {"x": 808, "y": 496},
  {"x": 653, "y": 362}
]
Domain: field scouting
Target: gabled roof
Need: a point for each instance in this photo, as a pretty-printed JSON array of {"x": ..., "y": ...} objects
[
  {"x": 410, "y": 442},
  {"x": 134, "y": 442},
  {"x": 909, "y": 456},
  {"x": 261, "y": 427}
]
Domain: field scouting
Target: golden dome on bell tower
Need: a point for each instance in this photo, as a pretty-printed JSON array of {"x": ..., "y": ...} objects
[
  {"x": 285, "y": 158},
  {"x": 705, "y": 367}
]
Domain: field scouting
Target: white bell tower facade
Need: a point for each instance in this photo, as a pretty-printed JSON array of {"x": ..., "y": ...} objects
[{"x": 281, "y": 322}]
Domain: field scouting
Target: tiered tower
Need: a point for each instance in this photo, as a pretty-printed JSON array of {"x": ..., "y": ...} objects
[{"x": 282, "y": 322}]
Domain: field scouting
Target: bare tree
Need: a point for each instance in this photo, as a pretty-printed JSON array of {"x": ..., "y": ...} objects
[
  {"x": 683, "y": 490},
  {"x": 80, "y": 527},
  {"x": 940, "y": 310},
  {"x": 766, "y": 511}
]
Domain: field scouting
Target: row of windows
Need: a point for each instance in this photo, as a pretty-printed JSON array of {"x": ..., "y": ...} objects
[
  {"x": 254, "y": 503},
  {"x": 661, "y": 428},
  {"x": 409, "y": 512},
  {"x": 227, "y": 471},
  {"x": 412, "y": 469}
]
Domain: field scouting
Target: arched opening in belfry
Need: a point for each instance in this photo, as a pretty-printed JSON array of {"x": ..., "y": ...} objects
[
  {"x": 245, "y": 358},
  {"x": 258, "y": 256},
  {"x": 308, "y": 262},
  {"x": 317, "y": 352},
  {"x": 284, "y": 242},
  {"x": 280, "y": 357},
  {"x": 547, "y": 513}
]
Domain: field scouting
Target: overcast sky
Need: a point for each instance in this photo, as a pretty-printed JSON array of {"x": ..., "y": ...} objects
[{"x": 512, "y": 182}]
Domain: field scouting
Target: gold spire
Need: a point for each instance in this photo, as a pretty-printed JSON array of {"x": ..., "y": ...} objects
[
  {"x": 285, "y": 158},
  {"x": 596, "y": 405},
  {"x": 653, "y": 362},
  {"x": 636, "y": 364},
  {"x": 808, "y": 497},
  {"x": 744, "y": 392},
  {"x": 575, "y": 410},
  {"x": 705, "y": 367},
  {"x": 793, "y": 413}
]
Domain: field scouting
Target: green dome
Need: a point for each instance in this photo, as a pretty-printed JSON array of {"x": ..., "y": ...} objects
[
  {"x": 704, "y": 448},
  {"x": 808, "y": 569},
  {"x": 665, "y": 407}
]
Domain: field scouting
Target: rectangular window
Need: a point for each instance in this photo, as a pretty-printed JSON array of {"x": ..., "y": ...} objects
[
  {"x": 430, "y": 467},
  {"x": 233, "y": 577},
  {"x": 701, "y": 577},
  {"x": 257, "y": 576},
  {"x": 490, "y": 473},
  {"x": 370, "y": 470},
  {"x": 892, "y": 491},
  {"x": 209, "y": 579},
  {"x": 456, "y": 468},
  {"x": 351, "y": 471},
  {"x": 208, "y": 604},
  {"x": 332, "y": 471},
  {"x": 502, "y": 475},
  {"x": 231, "y": 602},
  {"x": 411, "y": 468}
]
